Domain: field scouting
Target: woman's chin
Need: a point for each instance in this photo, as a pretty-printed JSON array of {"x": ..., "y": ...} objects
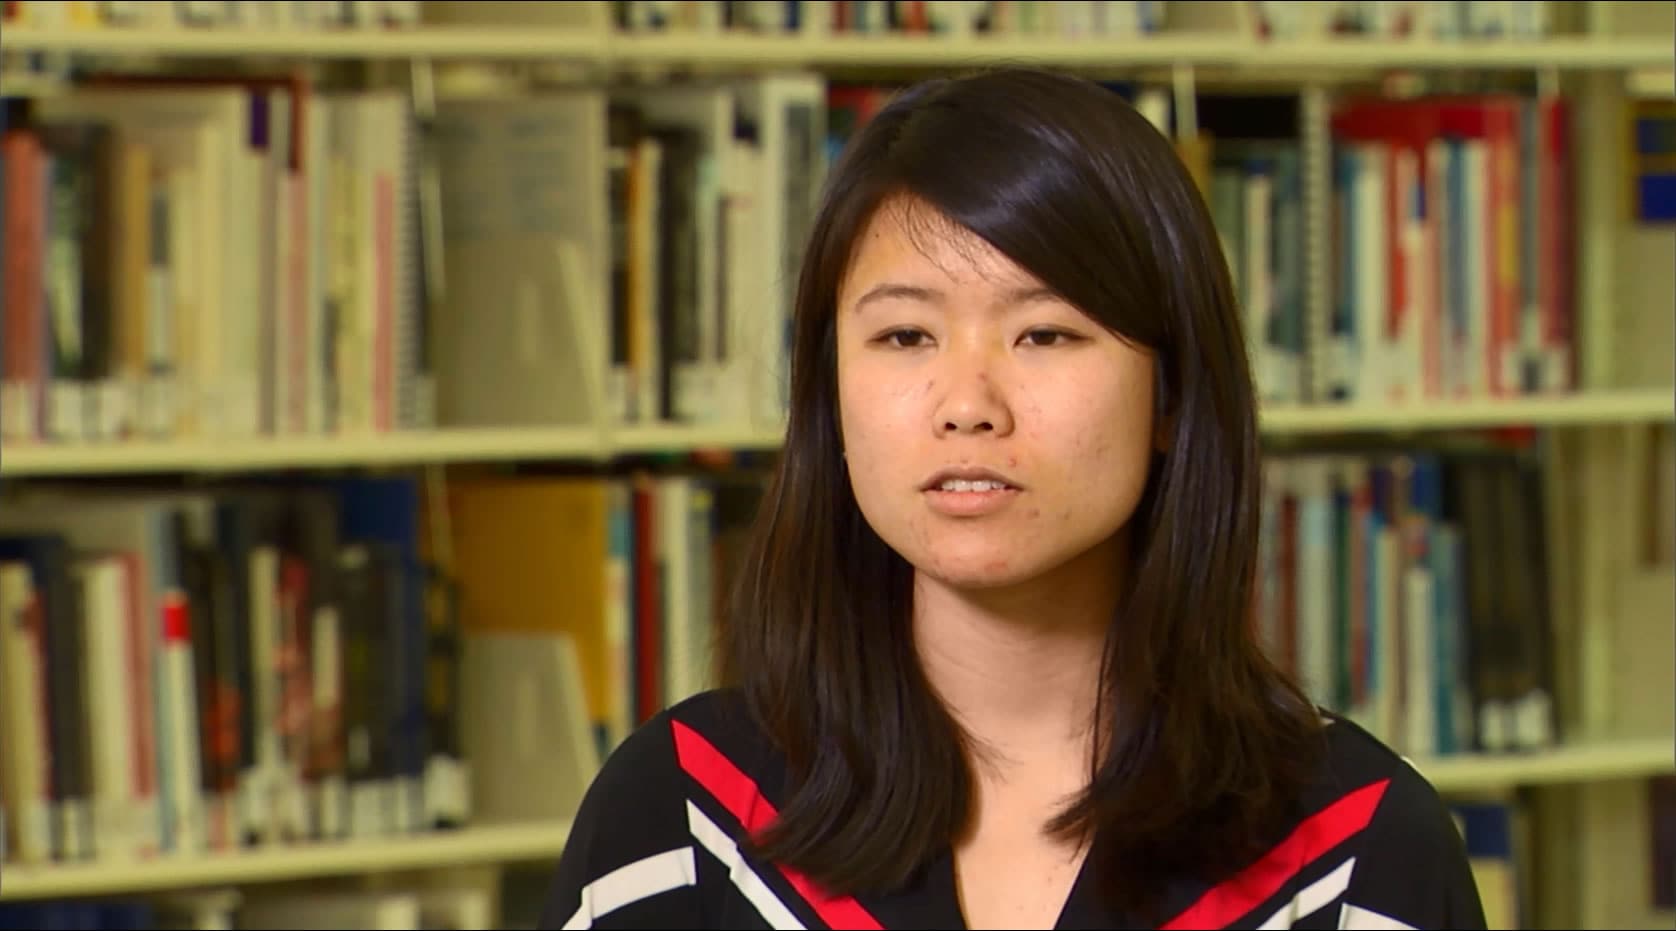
[{"x": 978, "y": 571}]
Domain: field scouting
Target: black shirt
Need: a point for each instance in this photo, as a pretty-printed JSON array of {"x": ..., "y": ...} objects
[{"x": 654, "y": 846}]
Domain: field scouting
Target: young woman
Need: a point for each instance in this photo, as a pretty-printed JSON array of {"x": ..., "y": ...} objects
[{"x": 990, "y": 660}]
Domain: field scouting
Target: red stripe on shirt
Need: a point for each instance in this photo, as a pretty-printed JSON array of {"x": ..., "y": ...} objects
[
  {"x": 739, "y": 794},
  {"x": 1251, "y": 887}
]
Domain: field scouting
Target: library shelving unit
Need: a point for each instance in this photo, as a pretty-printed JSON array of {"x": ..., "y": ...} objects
[
  {"x": 512, "y": 43},
  {"x": 1614, "y": 759},
  {"x": 543, "y": 841},
  {"x": 484, "y": 845},
  {"x": 444, "y": 446},
  {"x": 1613, "y": 626}
]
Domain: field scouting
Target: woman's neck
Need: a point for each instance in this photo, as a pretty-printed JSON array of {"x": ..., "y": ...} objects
[{"x": 1019, "y": 667}]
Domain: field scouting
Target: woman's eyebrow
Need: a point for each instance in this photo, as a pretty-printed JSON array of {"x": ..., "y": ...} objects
[
  {"x": 894, "y": 290},
  {"x": 1023, "y": 294}
]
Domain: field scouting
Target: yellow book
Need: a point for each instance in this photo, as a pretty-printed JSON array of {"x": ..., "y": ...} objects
[{"x": 531, "y": 555}]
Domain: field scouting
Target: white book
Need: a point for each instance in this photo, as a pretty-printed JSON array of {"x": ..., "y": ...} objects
[
  {"x": 109, "y": 698},
  {"x": 1388, "y": 660},
  {"x": 520, "y": 341},
  {"x": 1318, "y": 647},
  {"x": 645, "y": 245},
  {"x": 307, "y": 358},
  {"x": 525, "y": 724},
  {"x": 329, "y": 792},
  {"x": 789, "y": 113},
  {"x": 672, "y": 499},
  {"x": 1410, "y": 355},
  {"x": 264, "y": 693},
  {"x": 1480, "y": 283},
  {"x": 179, "y": 756},
  {"x": 1373, "y": 261},
  {"x": 1420, "y": 665}
]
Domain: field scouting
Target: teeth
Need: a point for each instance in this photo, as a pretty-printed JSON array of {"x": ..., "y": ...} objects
[{"x": 960, "y": 484}]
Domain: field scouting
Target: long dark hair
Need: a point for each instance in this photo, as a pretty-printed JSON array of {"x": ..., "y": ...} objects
[{"x": 1208, "y": 742}]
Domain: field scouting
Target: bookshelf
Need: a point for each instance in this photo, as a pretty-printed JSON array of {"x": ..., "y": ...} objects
[
  {"x": 581, "y": 444},
  {"x": 1208, "y": 49},
  {"x": 1582, "y": 409},
  {"x": 1604, "y": 762},
  {"x": 485, "y": 844},
  {"x": 510, "y": 844},
  {"x": 1613, "y": 605}
]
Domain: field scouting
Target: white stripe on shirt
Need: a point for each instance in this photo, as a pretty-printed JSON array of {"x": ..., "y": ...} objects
[
  {"x": 715, "y": 840},
  {"x": 642, "y": 879},
  {"x": 1313, "y": 897}
]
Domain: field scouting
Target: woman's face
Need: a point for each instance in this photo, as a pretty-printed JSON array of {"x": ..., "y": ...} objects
[{"x": 993, "y": 433}]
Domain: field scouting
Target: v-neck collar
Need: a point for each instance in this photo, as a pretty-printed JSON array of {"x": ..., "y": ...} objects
[{"x": 932, "y": 900}]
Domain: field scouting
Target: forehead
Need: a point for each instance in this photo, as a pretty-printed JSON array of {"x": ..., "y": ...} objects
[{"x": 912, "y": 241}]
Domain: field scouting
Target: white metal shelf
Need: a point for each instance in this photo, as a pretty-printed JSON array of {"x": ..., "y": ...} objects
[
  {"x": 548, "y": 43},
  {"x": 1207, "y": 49},
  {"x": 1626, "y": 406},
  {"x": 1626, "y": 759},
  {"x": 1590, "y": 762},
  {"x": 585, "y": 444},
  {"x": 675, "y": 438},
  {"x": 927, "y": 51},
  {"x": 300, "y": 451},
  {"x": 1569, "y": 52},
  {"x": 467, "y": 846},
  {"x": 432, "y": 42},
  {"x": 395, "y": 449}
]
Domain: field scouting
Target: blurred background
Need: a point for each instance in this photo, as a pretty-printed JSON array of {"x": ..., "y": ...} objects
[{"x": 386, "y": 386}]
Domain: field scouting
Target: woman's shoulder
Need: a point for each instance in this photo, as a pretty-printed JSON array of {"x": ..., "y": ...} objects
[
  {"x": 1364, "y": 785},
  {"x": 1363, "y": 772},
  {"x": 689, "y": 778},
  {"x": 1369, "y": 844},
  {"x": 1382, "y": 836},
  {"x": 707, "y": 738}
]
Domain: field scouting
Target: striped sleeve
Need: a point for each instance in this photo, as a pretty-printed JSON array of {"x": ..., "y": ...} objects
[
  {"x": 630, "y": 861},
  {"x": 1412, "y": 869},
  {"x": 1381, "y": 852}
]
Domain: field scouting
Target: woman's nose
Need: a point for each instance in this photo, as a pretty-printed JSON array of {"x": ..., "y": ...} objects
[{"x": 973, "y": 402}]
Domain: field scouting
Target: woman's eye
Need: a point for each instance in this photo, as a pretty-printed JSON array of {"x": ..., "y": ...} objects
[
  {"x": 1045, "y": 338},
  {"x": 905, "y": 339}
]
